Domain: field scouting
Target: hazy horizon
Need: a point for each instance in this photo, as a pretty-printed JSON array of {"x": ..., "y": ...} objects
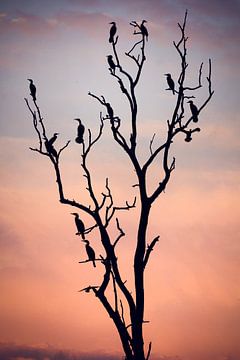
[{"x": 193, "y": 278}]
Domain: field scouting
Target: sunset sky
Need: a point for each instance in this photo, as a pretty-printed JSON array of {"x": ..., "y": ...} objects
[{"x": 193, "y": 277}]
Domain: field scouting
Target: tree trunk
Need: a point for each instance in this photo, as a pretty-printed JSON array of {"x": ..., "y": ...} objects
[{"x": 137, "y": 323}]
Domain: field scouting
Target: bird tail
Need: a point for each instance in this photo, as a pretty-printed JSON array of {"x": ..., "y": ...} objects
[
  {"x": 79, "y": 140},
  {"x": 83, "y": 236},
  {"x": 173, "y": 91},
  {"x": 110, "y": 39},
  {"x": 94, "y": 264},
  {"x": 195, "y": 119}
]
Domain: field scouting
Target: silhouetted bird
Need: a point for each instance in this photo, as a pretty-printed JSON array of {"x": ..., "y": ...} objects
[
  {"x": 53, "y": 138},
  {"x": 49, "y": 145},
  {"x": 170, "y": 83},
  {"x": 111, "y": 63},
  {"x": 144, "y": 29},
  {"x": 80, "y": 225},
  {"x": 110, "y": 111},
  {"x": 33, "y": 89},
  {"x": 194, "y": 111},
  {"x": 113, "y": 31},
  {"x": 90, "y": 252},
  {"x": 80, "y": 132},
  {"x": 188, "y": 137}
]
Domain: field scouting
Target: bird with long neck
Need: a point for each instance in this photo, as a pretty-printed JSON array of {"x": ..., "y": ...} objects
[
  {"x": 170, "y": 83},
  {"x": 144, "y": 29},
  {"x": 80, "y": 131},
  {"x": 194, "y": 111},
  {"x": 111, "y": 63},
  {"x": 113, "y": 31},
  {"x": 80, "y": 225},
  {"x": 33, "y": 89},
  {"x": 49, "y": 145},
  {"x": 90, "y": 252}
]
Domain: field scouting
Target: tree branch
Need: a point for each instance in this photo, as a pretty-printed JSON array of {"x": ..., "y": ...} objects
[{"x": 149, "y": 250}]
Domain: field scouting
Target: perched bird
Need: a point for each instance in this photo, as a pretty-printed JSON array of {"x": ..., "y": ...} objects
[
  {"x": 170, "y": 83},
  {"x": 53, "y": 138},
  {"x": 188, "y": 137},
  {"x": 80, "y": 132},
  {"x": 111, "y": 63},
  {"x": 90, "y": 252},
  {"x": 113, "y": 31},
  {"x": 110, "y": 111},
  {"x": 33, "y": 89},
  {"x": 49, "y": 145},
  {"x": 80, "y": 225},
  {"x": 144, "y": 29},
  {"x": 194, "y": 111}
]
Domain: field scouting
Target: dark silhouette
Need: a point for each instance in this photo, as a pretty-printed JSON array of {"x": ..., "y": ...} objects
[
  {"x": 170, "y": 83},
  {"x": 80, "y": 131},
  {"x": 33, "y": 89},
  {"x": 188, "y": 137},
  {"x": 194, "y": 111},
  {"x": 80, "y": 225},
  {"x": 144, "y": 29},
  {"x": 111, "y": 63},
  {"x": 53, "y": 138},
  {"x": 113, "y": 31},
  {"x": 49, "y": 145},
  {"x": 110, "y": 111},
  {"x": 90, "y": 252},
  {"x": 124, "y": 301}
]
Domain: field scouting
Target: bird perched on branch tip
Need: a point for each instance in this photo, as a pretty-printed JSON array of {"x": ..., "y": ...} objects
[
  {"x": 144, "y": 29},
  {"x": 113, "y": 31},
  {"x": 33, "y": 89},
  {"x": 80, "y": 131}
]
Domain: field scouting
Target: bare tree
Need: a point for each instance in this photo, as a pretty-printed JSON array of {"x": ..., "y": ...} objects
[{"x": 124, "y": 303}]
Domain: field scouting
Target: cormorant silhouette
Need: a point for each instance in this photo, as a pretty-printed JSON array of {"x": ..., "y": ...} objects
[
  {"x": 90, "y": 252},
  {"x": 110, "y": 111},
  {"x": 49, "y": 145},
  {"x": 33, "y": 89},
  {"x": 80, "y": 132},
  {"x": 80, "y": 225},
  {"x": 194, "y": 111},
  {"x": 188, "y": 137},
  {"x": 113, "y": 31},
  {"x": 144, "y": 29},
  {"x": 53, "y": 138},
  {"x": 170, "y": 83},
  {"x": 111, "y": 63}
]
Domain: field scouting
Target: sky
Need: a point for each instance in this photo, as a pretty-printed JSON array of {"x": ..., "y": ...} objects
[{"x": 193, "y": 277}]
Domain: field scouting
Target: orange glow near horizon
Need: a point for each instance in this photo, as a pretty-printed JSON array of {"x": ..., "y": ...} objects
[{"x": 192, "y": 280}]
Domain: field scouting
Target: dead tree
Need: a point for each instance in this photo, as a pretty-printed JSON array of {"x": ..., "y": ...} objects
[{"x": 126, "y": 302}]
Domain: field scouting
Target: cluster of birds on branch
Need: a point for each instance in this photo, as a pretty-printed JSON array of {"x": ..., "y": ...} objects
[
  {"x": 170, "y": 82},
  {"x": 81, "y": 231},
  {"x": 80, "y": 129}
]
